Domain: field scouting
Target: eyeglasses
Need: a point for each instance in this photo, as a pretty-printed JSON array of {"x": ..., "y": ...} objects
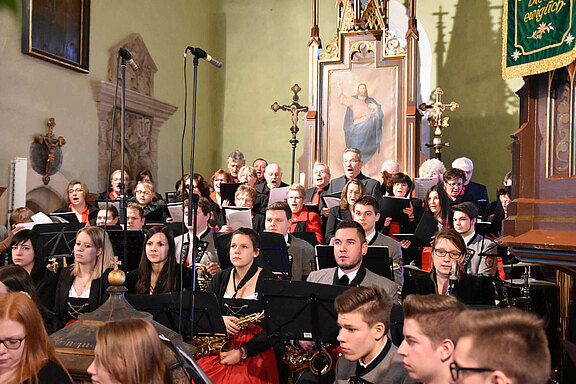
[
  {"x": 454, "y": 185},
  {"x": 145, "y": 193},
  {"x": 443, "y": 253},
  {"x": 77, "y": 190},
  {"x": 12, "y": 343},
  {"x": 455, "y": 370}
]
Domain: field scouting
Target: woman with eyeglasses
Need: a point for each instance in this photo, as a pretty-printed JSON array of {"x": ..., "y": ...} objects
[
  {"x": 26, "y": 352},
  {"x": 154, "y": 210},
  {"x": 446, "y": 277},
  {"x": 76, "y": 198},
  {"x": 219, "y": 177}
]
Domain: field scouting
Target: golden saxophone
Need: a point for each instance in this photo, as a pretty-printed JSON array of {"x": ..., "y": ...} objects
[
  {"x": 207, "y": 345},
  {"x": 319, "y": 362},
  {"x": 202, "y": 276}
]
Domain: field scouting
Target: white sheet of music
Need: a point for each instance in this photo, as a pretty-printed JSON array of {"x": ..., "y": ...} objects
[
  {"x": 176, "y": 212},
  {"x": 331, "y": 201},
  {"x": 278, "y": 194},
  {"x": 422, "y": 185},
  {"x": 239, "y": 219}
]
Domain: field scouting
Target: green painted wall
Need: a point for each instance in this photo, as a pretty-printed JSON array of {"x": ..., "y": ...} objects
[{"x": 33, "y": 90}]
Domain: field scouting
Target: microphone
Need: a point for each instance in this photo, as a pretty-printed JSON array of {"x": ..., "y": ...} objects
[
  {"x": 128, "y": 57},
  {"x": 453, "y": 277},
  {"x": 200, "y": 53}
]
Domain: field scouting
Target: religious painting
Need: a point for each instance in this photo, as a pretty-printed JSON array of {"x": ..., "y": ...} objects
[
  {"x": 57, "y": 31},
  {"x": 362, "y": 114}
]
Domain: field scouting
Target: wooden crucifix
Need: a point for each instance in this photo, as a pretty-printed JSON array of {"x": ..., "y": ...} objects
[
  {"x": 52, "y": 144},
  {"x": 295, "y": 108},
  {"x": 437, "y": 121}
]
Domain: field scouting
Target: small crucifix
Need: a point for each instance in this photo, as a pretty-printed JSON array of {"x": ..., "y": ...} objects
[
  {"x": 51, "y": 143},
  {"x": 437, "y": 121},
  {"x": 295, "y": 108},
  {"x": 115, "y": 262}
]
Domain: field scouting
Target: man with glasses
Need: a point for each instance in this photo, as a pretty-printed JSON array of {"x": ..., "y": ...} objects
[
  {"x": 506, "y": 346},
  {"x": 454, "y": 185},
  {"x": 427, "y": 348},
  {"x": 352, "y": 162},
  {"x": 474, "y": 192}
]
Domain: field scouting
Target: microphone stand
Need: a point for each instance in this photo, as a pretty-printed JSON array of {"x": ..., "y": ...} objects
[{"x": 123, "y": 203}]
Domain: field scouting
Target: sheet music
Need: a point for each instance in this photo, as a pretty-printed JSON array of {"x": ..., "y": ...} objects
[
  {"x": 422, "y": 185},
  {"x": 331, "y": 201},
  {"x": 278, "y": 194},
  {"x": 39, "y": 218},
  {"x": 239, "y": 218},
  {"x": 175, "y": 210}
]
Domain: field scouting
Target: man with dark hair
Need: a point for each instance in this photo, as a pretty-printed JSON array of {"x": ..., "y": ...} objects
[
  {"x": 107, "y": 216},
  {"x": 368, "y": 353},
  {"x": 135, "y": 216},
  {"x": 260, "y": 165},
  {"x": 352, "y": 162},
  {"x": 207, "y": 253},
  {"x": 350, "y": 246},
  {"x": 366, "y": 212},
  {"x": 427, "y": 347},
  {"x": 278, "y": 217},
  {"x": 478, "y": 260},
  {"x": 500, "y": 346}
]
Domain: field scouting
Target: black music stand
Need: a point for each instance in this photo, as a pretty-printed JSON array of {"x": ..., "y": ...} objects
[
  {"x": 310, "y": 237},
  {"x": 299, "y": 310},
  {"x": 377, "y": 259},
  {"x": 274, "y": 255},
  {"x": 222, "y": 244},
  {"x": 135, "y": 244},
  {"x": 64, "y": 217},
  {"x": 165, "y": 309},
  {"x": 57, "y": 239}
]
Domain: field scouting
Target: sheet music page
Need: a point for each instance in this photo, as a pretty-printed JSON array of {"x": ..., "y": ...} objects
[
  {"x": 422, "y": 185},
  {"x": 176, "y": 212},
  {"x": 239, "y": 219},
  {"x": 331, "y": 201},
  {"x": 278, "y": 194}
]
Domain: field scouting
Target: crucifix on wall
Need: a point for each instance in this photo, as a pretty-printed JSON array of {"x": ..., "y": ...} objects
[{"x": 295, "y": 108}]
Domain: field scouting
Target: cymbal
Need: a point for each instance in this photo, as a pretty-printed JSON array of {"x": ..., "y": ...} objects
[
  {"x": 531, "y": 282},
  {"x": 413, "y": 268}
]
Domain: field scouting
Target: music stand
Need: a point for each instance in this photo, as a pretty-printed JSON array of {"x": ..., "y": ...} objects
[
  {"x": 310, "y": 237},
  {"x": 165, "y": 308},
  {"x": 155, "y": 217},
  {"x": 222, "y": 244},
  {"x": 57, "y": 239},
  {"x": 135, "y": 243},
  {"x": 299, "y": 310},
  {"x": 274, "y": 255},
  {"x": 64, "y": 217}
]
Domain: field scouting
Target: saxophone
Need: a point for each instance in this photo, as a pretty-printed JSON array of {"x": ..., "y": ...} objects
[
  {"x": 208, "y": 344},
  {"x": 319, "y": 362},
  {"x": 202, "y": 276}
]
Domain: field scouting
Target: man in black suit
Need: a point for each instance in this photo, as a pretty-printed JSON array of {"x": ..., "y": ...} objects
[
  {"x": 352, "y": 161},
  {"x": 273, "y": 177},
  {"x": 473, "y": 192},
  {"x": 321, "y": 180}
]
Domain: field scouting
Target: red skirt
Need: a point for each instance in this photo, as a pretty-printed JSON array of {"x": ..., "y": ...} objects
[{"x": 258, "y": 369}]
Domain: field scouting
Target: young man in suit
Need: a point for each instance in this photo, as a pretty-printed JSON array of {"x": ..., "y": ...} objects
[
  {"x": 350, "y": 246},
  {"x": 368, "y": 353},
  {"x": 427, "y": 347},
  {"x": 352, "y": 161},
  {"x": 278, "y": 217},
  {"x": 499, "y": 347}
]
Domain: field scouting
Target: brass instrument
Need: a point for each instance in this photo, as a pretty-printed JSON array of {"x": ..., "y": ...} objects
[
  {"x": 319, "y": 362},
  {"x": 207, "y": 345},
  {"x": 202, "y": 276}
]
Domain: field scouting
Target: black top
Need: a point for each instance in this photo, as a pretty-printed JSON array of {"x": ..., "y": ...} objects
[
  {"x": 260, "y": 342},
  {"x": 132, "y": 279},
  {"x": 51, "y": 373},
  {"x": 64, "y": 283},
  {"x": 45, "y": 282},
  {"x": 471, "y": 290}
]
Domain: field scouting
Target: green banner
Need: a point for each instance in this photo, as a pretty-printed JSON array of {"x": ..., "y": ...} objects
[{"x": 538, "y": 36}]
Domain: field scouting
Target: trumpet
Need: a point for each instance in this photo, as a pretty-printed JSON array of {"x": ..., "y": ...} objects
[{"x": 209, "y": 344}]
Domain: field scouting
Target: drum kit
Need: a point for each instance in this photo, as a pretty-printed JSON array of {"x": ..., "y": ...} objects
[{"x": 525, "y": 283}]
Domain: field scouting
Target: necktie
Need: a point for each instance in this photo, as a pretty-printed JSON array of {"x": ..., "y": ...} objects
[
  {"x": 316, "y": 198},
  {"x": 344, "y": 280}
]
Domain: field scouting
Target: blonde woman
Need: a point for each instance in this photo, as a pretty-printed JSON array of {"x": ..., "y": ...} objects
[
  {"x": 26, "y": 353},
  {"x": 79, "y": 286},
  {"x": 128, "y": 352}
]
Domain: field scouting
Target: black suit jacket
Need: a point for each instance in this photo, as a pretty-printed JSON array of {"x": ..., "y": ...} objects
[
  {"x": 372, "y": 186},
  {"x": 263, "y": 188},
  {"x": 310, "y": 192}
]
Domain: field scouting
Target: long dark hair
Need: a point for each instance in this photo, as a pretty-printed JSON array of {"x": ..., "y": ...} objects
[
  {"x": 16, "y": 279},
  {"x": 444, "y": 204},
  {"x": 168, "y": 277}
]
